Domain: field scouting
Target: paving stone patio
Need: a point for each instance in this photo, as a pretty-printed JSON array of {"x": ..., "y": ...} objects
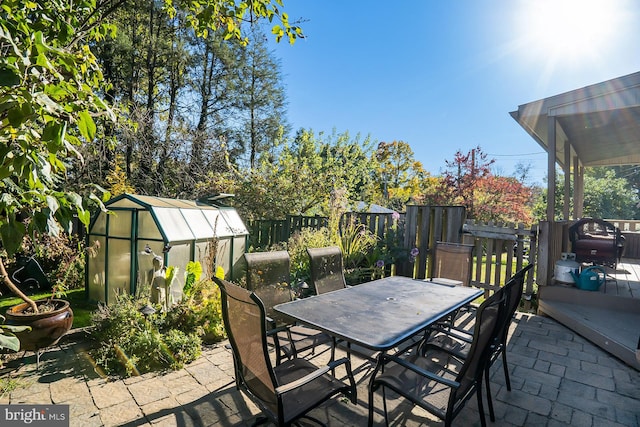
[{"x": 558, "y": 379}]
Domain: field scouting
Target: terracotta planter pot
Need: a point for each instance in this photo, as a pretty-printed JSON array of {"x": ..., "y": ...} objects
[{"x": 46, "y": 328}]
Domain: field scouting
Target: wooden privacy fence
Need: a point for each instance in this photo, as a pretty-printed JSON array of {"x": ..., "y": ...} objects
[
  {"x": 424, "y": 226},
  {"x": 499, "y": 251},
  {"x": 267, "y": 232}
]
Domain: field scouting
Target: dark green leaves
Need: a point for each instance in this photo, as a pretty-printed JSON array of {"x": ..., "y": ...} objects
[{"x": 9, "y": 77}]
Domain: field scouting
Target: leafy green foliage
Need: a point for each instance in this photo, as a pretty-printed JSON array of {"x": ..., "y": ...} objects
[
  {"x": 7, "y": 385},
  {"x": 297, "y": 248},
  {"x": 607, "y": 196},
  {"x": 399, "y": 176},
  {"x": 8, "y": 340},
  {"x": 301, "y": 177},
  {"x": 194, "y": 271},
  {"x": 228, "y": 15},
  {"x": 200, "y": 311},
  {"x": 130, "y": 343},
  {"x": 356, "y": 241},
  {"x": 48, "y": 105}
]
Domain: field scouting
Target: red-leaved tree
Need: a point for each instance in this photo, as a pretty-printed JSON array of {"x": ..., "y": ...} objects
[
  {"x": 468, "y": 181},
  {"x": 462, "y": 176}
]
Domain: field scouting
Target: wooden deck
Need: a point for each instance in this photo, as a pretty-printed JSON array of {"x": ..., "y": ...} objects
[{"x": 609, "y": 317}]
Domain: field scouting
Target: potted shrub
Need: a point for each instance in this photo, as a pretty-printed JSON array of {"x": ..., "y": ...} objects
[
  {"x": 51, "y": 318},
  {"x": 48, "y": 319}
]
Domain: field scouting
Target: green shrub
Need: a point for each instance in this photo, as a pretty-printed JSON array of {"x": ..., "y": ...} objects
[
  {"x": 297, "y": 247},
  {"x": 131, "y": 344},
  {"x": 200, "y": 311},
  {"x": 61, "y": 257},
  {"x": 356, "y": 242}
]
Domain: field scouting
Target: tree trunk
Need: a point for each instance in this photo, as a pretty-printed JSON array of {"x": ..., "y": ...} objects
[{"x": 13, "y": 288}]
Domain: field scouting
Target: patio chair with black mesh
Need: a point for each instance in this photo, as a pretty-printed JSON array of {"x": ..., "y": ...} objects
[
  {"x": 326, "y": 268},
  {"x": 327, "y": 275},
  {"x": 452, "y": 265},
  {"x": 434, "y": 379},
  {"x": 455, "y": 340},
  {"x": 268, "y": 275},
  {"x": 284, "y": 392}
]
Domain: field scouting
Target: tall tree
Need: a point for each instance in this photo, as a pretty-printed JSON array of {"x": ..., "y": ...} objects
[
  {"x": 463, "y": 174},
  {"x": 260, "y": 101},
  {"x": 214, "y": 81},
  {"x": 606, "y": 196},
  {"x": 503, "y": 200},
  {"x": 399, "y": 175}
]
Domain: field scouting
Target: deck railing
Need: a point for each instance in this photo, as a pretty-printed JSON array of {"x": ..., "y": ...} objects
[
  {"x": 500, "y": 251},
  {"x": 631, "y": 231}
]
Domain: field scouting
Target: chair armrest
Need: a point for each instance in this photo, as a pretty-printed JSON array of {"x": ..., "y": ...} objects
[
  {"x": 274, "y": 331},
  {"x": 311, "y": 376},
  {"x": 423, "y": 372},
  {"x": 456, "y": 333},
  {"x": 457, "y": 354}
]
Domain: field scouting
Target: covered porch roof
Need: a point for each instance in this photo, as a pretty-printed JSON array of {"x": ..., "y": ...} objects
[{"x": 597, "y": 125}]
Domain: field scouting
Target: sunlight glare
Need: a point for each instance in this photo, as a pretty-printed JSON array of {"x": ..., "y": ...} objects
[{"x": 571, "y": 29}]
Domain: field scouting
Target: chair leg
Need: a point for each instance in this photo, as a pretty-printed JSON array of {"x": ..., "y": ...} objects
[
  {"x": 384, "y": 405},
  {"x": 333, "y": 353},
  {"x": 492, "y": 416},
  {"x": 483, "y": 421},
  {"x": 506, "y": 368},
  {"x": 370, "y": 423}
]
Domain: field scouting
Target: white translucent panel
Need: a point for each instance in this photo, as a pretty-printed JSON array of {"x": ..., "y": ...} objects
[
  {"x": 96, "y": 270},
  {"x": 179, "y": 256},
  {"x": 120, "y": 224},
  {"x": 173, "y": 224},
  {"x": 223, "y": 256},
  {"x": 125, "y": 203},
  {"x": 153, "y": 201},
  {"x": 234, "y": 221},
  {"x": 187, "y": 204},
  {"x": 204, "y": 256},
  {"x": 119, "y": 268},
  {"x": 147, "y": 228},
  {"x": 239, "y": 247},
  {"x": 100, "y": 224},
  {"x": 218, "y": 223},
  {"x": 198, "y": 223},
  {"x": 145, "y": 265}
]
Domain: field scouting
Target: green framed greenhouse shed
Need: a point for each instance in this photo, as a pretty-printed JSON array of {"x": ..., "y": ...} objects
[{"x": 137, "y": 229}]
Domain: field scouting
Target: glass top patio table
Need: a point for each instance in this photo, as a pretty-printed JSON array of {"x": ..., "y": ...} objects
[{"x": 381, "y": 314}]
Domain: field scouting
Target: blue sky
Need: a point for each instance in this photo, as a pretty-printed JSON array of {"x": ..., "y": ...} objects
[{"x": 444, "y": 75}]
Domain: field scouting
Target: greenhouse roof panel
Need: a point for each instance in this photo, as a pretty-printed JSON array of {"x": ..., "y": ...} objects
[
  {"x": 181, "y": 220},
  {"x": 198, "y": 223},
  {"x": 125, "y": 203},
  {"x": 218, "y": 223},
  {"x": 173, "y": 224},
  {"x": 156, "y": 201},
  {"x": 234, "y": 221}
]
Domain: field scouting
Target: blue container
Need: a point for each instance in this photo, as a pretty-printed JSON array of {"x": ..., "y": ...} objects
[{"x": 591, "y": 278}]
